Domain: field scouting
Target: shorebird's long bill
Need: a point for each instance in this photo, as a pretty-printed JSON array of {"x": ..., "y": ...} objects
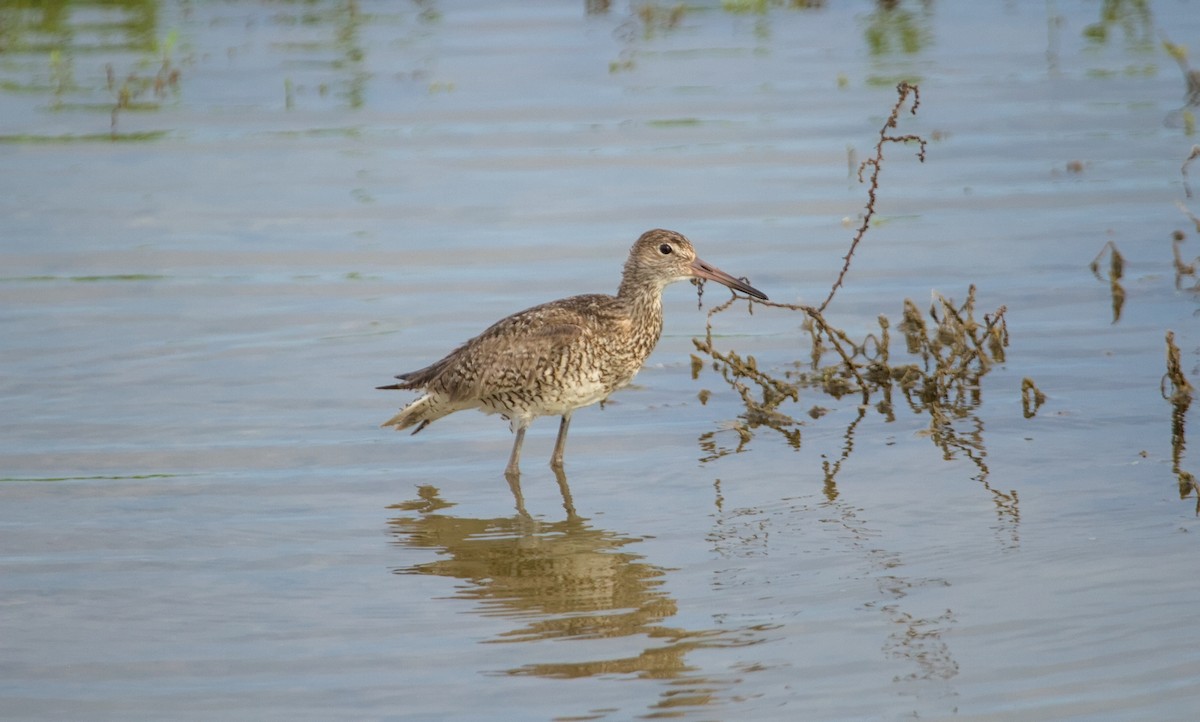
[{"x": 701, "y": 269}]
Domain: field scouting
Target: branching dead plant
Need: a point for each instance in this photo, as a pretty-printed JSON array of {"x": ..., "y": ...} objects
[{"x": 950, "y": 347}]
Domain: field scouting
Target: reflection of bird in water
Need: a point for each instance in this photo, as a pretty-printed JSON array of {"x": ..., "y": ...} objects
[
  {"x": 557, "y": 357},
  {"x": 562, "y": 580},
  {"x": 556, "y": 579},
  {"x": 570, "y": 582}
]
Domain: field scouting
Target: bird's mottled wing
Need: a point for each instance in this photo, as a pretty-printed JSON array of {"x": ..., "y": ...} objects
[
  {"x": 514, "y": 350},
  {"x": 495, "y": 363}
]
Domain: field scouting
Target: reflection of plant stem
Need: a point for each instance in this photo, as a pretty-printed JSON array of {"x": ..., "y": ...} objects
[
  {"x": 1032, "y": 398},
  {"x": 1181, "y": 268},
  {"x": 915, "y": 639},
  {"x": 831, "y": 469},
  {"x": 1179, "y": 391},
  {"x": 135, "y": 85},
  {"x": 1116, "y": 271},
  {"x": 60, "y": 71},
  {"x": 1187, "y": 187},
  {"x": 971, "y": 445},
  {"x": 1186, "y": 116},
  {"x": 1182, "y": 207}
]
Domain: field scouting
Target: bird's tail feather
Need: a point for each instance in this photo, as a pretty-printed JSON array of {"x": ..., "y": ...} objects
[
  {"x": 420, "y": 413},
  {"x": 418, "y": 379},
  {"x": 406, "y": 383}
]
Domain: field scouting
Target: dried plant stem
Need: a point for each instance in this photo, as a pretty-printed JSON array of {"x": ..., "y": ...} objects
[
  {"x": 876, "y": 164},
  {"x": 834, "y": 334}
]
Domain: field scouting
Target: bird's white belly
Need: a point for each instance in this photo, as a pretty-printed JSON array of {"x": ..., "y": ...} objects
[{"x": 585, "y": 394}]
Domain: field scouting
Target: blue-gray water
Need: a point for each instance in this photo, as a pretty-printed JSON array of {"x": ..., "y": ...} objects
[{"x": 224, "y": 223}]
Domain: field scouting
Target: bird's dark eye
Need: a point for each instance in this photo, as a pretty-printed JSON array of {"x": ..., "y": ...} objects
[{"x": 665, "y": 249}]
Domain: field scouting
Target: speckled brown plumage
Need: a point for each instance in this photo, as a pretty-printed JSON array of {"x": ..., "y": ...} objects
[{"x": 557, "y": 357}]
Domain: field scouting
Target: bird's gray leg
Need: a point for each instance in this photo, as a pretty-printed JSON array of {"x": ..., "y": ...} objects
[
  {"x": 556, "y": 459},
  {"x": 513, "y": 473},
  {"x": 513, "y": 469}
]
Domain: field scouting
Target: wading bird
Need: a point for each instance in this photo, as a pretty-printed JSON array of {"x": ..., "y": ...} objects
[{"x": 560, "y": 356}]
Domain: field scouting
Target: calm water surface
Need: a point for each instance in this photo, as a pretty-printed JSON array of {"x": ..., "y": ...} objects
[{"x": 224, "y": 223}]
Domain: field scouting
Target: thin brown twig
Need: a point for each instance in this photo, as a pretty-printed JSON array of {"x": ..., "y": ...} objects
[{"x": 876, "y": 164}]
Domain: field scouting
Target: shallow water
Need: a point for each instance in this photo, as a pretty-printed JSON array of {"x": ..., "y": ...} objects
[{"x": 199, "y": 517}]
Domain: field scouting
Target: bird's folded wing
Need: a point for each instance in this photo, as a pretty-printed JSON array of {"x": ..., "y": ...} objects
[{"x": 499, "y": 363}]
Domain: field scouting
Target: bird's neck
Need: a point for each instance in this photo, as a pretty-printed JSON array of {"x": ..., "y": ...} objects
[{"x": 644, "y": 301}]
